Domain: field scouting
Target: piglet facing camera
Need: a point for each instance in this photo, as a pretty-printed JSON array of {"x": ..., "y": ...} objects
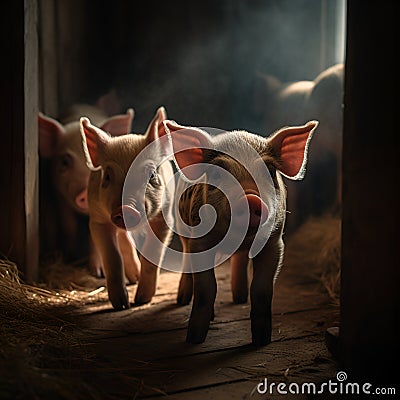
[
  {"x": 66, "y": 177},
  {"x": 232, "y": 202},
  {"x": 118, "y": 205}
]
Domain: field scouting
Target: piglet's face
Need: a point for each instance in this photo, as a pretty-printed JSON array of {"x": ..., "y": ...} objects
[
  {"x": 238, "y": 175},
  {"x": 62, "y": 145},
  {"x": 110, "y": 159},
  {"x": 231, "y": 191},
  {"x": 69, "y": 173}
]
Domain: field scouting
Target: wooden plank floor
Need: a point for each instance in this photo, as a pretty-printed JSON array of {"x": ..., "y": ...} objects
[{"x": 148, "y": 342}]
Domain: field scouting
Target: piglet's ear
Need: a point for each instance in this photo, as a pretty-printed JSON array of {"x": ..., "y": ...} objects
[
  {"x": 291, "y": 146},
  {"x": 156, "y": 128},
  {"x": 187, "y": 143},
  {"x": 93, "y": 140},
  {"x": 50, "y": 131},
  {"x": 156, "y": 134},
  {"x": 118, "y": 124}
]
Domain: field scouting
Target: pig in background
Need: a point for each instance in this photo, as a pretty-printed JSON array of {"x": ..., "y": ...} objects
[
  {"x": 113, "y": 214},
  {"x": 64, "y": 177},
  {"x": 199, "y": 157},
  {"x": 279, "y": 104}
]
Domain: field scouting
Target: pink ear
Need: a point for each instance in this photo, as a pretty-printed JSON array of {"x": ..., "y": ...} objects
[
  {"x": 156, "y": 127},
  {"x": 109, "y": 102},
  {"x": 291, "y": 146},
  {"x": 50, "y": 131},
  {"x": 187, "y": 143},
  {"x": 93, "y": 140},
  {"x": 118, "y": 124}
]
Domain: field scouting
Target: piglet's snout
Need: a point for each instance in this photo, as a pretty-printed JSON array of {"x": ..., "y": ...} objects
[
  {"x": 81, "y": 200},
  {"x": 258, "y": 211},
  {"x": 125, "y": 217}
]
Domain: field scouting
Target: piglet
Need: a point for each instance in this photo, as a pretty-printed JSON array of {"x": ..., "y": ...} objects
[
  {"x": 238, "y": 175},
  {"x": 65, "y": 178},
  {"x": 112, "y": 215},
  {"x": 288, "y": 103}
]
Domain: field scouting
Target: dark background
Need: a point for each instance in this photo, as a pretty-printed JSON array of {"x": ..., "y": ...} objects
[{"x": 198, "y": 59}]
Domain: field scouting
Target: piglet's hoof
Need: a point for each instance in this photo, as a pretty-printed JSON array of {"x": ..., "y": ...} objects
[
  {"x": 198, "y": 328},
  {"x": 185, "y": 290},
  {"x": 261, "y": 332},
  {"x": 261, "y": 338},
  {"x": 142, "y": 298},
  {"x": 195, "y": 337},
  {"x": 184, "y": 296},
  {"x": 119, "y": 300},
  {"x": 145, "y": 292},
  {"x": 139, "y": 301},
  {"x": 132, "y": 278},
  {"x": 259, "y": 341}
]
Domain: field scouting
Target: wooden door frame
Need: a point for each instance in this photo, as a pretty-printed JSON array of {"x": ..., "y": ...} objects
[
  {"x": 19, "y": 236},
  {"x": 370, "y": 267}
]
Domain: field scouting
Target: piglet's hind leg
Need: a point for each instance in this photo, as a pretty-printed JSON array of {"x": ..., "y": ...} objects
[
  {"x": 205, "y": 290},
  {"x": 239, "y": 281},
  {"x": 185, "y": 290},
  {"x": 157, "y": 238},
  {"x": 105, "y": 239}
]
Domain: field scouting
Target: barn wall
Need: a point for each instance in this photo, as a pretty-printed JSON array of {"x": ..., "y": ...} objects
[
  {"x": 199, "y": 59},
  {"x": 64, "y": 51},
  {"x": 18, "y": 152},
  {"x": 370, "y": 242}
]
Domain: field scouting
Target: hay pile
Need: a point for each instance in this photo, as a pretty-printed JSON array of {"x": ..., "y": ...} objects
[
  {"x": 57, "y": 274},
  {"x": 314, "y": 249},
  {"x": 40, "y": 357}
]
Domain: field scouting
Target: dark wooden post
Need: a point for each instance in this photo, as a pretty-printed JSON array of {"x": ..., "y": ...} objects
[
  {"x": 369, "y": 333},
  {"x": 48, "y": 57},
  {"x": 19, "y": 239}
]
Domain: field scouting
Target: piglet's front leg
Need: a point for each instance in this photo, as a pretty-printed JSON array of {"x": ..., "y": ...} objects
[
  {"x": 148, "y": 281},
  {"x": 129, "y": 255},
  {"x": 205, "y": 290},
  {"x": 158, "y": 237},
  {"x": 239, "y": 280},
  {"x": 265, "y": 265},
  {"x": 105, "y": 239},
  {"x": 185, "y": 290}
]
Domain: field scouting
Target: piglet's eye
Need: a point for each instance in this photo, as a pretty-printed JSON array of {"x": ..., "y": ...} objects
[
  {"x": 65, "y": 162},
  {"x": 153, "y": 178},
  {"x": 107, "y": 177}
]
